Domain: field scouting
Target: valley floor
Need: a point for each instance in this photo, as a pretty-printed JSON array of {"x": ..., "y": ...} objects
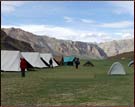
[{"x": 67, "y": 86}]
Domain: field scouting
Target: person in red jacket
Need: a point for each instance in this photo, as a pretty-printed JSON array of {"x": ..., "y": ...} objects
[{"x": 23, "y": 66}]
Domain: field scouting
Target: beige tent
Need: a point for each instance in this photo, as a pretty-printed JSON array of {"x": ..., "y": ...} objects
[{"x": 59, "y": 60}]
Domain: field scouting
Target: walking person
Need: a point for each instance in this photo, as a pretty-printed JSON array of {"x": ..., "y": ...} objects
[
  {"x": 77, "y": 62},
  {"x": 23, "y": 66},
  {"x": 51, "y": 63}
]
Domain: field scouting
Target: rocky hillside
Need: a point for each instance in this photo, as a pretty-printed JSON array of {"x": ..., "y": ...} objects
[
  {"x": 55, "y": 46},
  {"x": 65, "y": 47},
  {"x": 127, "y": 55},
  {"x": 8, "y": 43},
  {"x": 117, "y": 47}
]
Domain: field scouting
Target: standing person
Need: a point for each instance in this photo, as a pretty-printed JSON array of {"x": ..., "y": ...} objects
[
  {"x": 23, "y": 66},
  {"x": 51, "y": 63},
  {"x": 77, "y": 62}
]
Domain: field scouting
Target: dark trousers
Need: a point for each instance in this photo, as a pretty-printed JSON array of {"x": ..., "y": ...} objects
[
  {"x": 76, "y": 66},
  {"x": 23, "y": 72}
]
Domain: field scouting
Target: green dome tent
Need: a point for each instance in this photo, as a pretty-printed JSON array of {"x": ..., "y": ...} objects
[
  {"x": 131, "y": 63},
  {"x": 117, "y": 69},
  {"x": 88, "y": 63}
]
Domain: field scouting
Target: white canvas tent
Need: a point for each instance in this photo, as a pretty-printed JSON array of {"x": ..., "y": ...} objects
[
  {"x": 10, "y": 60},
  {"x": 46, "y": 57},
  {"x": 34, "y": 59},
  {"x": 116, "y": 69}
]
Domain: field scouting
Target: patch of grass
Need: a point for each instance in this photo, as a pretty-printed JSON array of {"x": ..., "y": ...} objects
[{"x": 66, "y": 85}]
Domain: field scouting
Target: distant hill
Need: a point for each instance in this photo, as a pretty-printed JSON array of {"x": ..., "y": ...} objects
[
  {"x": 113, "y": 48},
  {"x": 127, "y": 55},
  {"x": 8, "y": 43}
]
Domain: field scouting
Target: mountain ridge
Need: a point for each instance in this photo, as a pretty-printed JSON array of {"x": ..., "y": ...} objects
[
  {"x": 64, "y": 47},
  {"x": 13, "y": 44}
]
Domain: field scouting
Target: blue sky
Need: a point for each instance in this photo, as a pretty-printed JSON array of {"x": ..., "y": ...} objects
[{"x": 88, "y": 21}]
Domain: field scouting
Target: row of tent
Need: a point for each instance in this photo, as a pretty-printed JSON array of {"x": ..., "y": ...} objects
[{"x": 10, "y": 60}]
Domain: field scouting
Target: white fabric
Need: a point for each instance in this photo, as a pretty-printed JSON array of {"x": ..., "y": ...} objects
[
  {"x": 10, "y": 60},
  {"x": 46, "y": 57},
  {"x": 34, "y": 59},
  {"x": 116, "y": 68}
]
